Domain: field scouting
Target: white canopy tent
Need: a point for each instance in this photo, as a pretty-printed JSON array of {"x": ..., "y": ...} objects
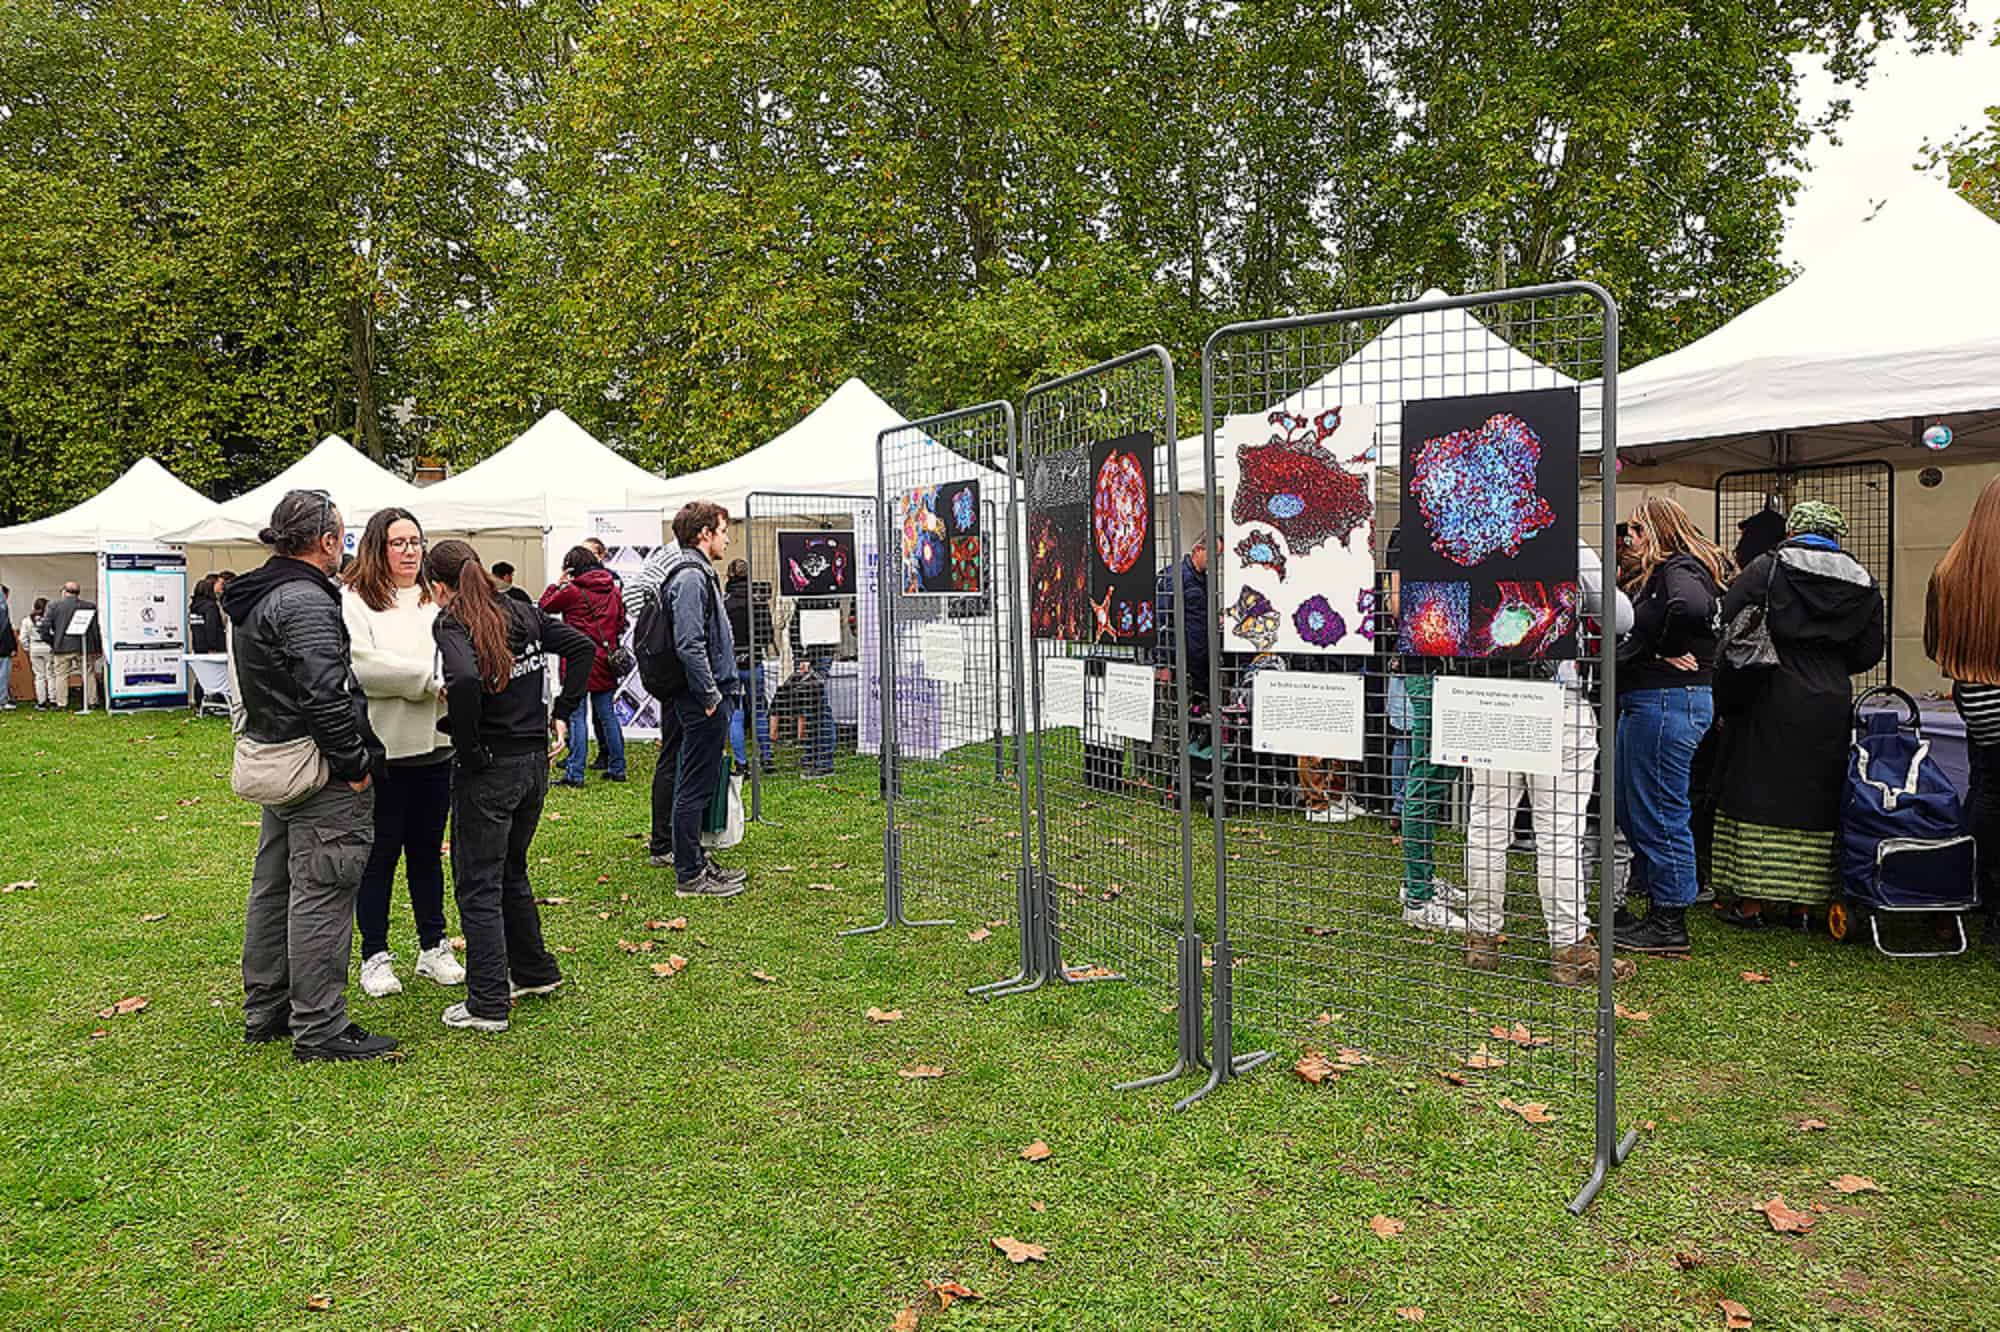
[
  {"x": 145, "y": 504},
  {"x": 830, "y": 452}
]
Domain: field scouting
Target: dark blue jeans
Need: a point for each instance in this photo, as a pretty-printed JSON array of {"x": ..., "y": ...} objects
[
  {"x": 692, "y": 744},
  {"x": 1658, "y": 733},
  {"x": 598, "y": 707},
  {"x": 749, "y": 713}
]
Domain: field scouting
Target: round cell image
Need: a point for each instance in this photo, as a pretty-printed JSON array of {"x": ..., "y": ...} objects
[
  {"x": 1364, "y": 613},
  {"x": 1318, "y": 622},
  {"x": 965, "y": 509},
  {"x": 1476, "y": 490},
  {"x": 1260, "y": 548},
  {"x": 1121, "y": 511},
  {"x": 1256, "y": 619}
]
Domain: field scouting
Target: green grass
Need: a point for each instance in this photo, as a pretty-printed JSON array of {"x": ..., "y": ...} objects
[{"x": 713, "y": 1152}]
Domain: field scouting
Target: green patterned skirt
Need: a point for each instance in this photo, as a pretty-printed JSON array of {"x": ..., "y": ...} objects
[{"x": 1774, "y": 864}]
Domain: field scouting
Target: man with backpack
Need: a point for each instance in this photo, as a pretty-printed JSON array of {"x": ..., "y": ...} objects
[{"x": 687, "y": 661}]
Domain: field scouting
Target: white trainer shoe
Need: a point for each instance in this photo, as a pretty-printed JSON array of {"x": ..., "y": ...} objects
[
  {"x": 1450, "y": 894},
  {"x": 378, "y": 976},
  {"x": 1435, "y": 917},
  {"x": 459, "y": 1016},
  {"x": 1319, "y": 816},
  {"x": 438, "y": 964}
]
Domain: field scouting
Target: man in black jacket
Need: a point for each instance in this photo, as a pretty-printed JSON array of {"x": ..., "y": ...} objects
[
  {"x": 293, "y": 678},
  {"x": 75, "y": 653}
]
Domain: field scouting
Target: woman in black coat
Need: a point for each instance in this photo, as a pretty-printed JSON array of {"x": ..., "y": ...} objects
[{"x": 1778, "y": 777}]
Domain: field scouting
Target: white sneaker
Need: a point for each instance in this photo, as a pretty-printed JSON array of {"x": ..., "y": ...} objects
[
  {"x": 1434, "y": 916},
  {"x": 517, "y": 991},
  {"x": 438, "y": 964},
  {"x": 1320, "y": 816},
  {"x": 458, "y": 1016},
  {"x": 378, "y": 976},
  {"x": 1351, "y": 807},
  {"x": 1450, "y": 894}
]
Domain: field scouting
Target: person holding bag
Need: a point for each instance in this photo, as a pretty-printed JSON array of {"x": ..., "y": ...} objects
[
  {"x": 304, "y": 751},
  {"x": 493, "y": 650},
  {"x": 589, "y": 600}
]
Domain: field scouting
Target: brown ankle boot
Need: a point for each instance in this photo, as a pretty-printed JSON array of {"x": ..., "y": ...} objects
[
  {"x": 1482, "y": 952},
  {"x": 1577, "y": 964}
]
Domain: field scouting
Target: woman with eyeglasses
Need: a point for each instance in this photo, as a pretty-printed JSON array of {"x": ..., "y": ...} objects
[{"x": 390, "y": 609}]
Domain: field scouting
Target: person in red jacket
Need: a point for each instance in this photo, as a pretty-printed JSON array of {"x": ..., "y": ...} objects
[{"x": 588, "y": 599}]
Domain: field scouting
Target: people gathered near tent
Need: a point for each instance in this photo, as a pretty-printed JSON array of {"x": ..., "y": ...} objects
[{"x": 588, "y": 599}]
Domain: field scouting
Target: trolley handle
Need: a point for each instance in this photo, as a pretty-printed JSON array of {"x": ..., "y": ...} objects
[{"x": 1913, "y": 719}]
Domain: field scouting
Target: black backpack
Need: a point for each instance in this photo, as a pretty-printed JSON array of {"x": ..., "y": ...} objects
[{"x": 660, "y": 669}]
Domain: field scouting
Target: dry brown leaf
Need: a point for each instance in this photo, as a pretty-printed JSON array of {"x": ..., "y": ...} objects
[
  {"x": 1354, "y": 1058},
  {"x": 130, "y": 1004},
  {"x": 563, "y": 948},
  {"x": 1517, "y": 1034},
  {"x": 921, "y": 1071},
  {"x": 673, "y": 966},
  {"x": 152, "y": 916},
  {"x": 1735, "y": 1317},
  {"x": 605, "y": 878},
  {"x": 1482, "y": 1059},
  {"x": 906, "y": 1321},
  {"x": 1410, "y": 1313},
  {"x": 1112, "y": 893},
  {"x": 1783, "y": 1219},
  {"x": 1755, "y": 977},
  {"x": 18, "y": 886},
  {"x": 1039, "y": 1206},
  {"x": 624, "y": 897},
  {"x": 553, "y": 901},
  {"x": 1688, "y": 1259},
  {"x": 1326, "y": 1019},
  {"x": 1321, "y": 931},
  {"x": 978, "y": 936},
  {"x": 604, "y": 915},
  {"x": 1037, "y": 1151},
  {"x": 1455, "y": 1079},
  {"x": 821, "y": 887},
  {"x": 1649, "y": 1126},
  {"x": 947, "y": 1291},
  {"x": 1386, "y": 1227},
  {"x": 1000, "y": 924},
  {"x": 1535, "y": 1112},
  {"x": 880, "y": 1015},
  {"x": 1315, "y": 1068},
  {"x": 99, "y": 1034},
  {"x": 556, "y": 816},
  {"x": 1018, "y": 1252},
  {"x": 838, "y": 864},
  {"x": 319, "y": 1303},
  {"x": 191, "y": 800},
  {"x": 1089, "y": 973},
  {"x": 1633, "y": 1014},
  {"x": 763, "y": 978},
  {"x": 1812, "y": 1126},
  {"x": 1855, "y": 1184},
  {"x": 783, "y": 869}
]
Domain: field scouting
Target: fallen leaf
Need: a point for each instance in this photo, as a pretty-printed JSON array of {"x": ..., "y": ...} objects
[
  {"x": 1812, "y": 1126},
  {"x": 604, "y": 915},
  {"x": 1112, "y": 893},
  {"x": 1321, "y": 931},
  {"x": 906, "y": 1321},
  {"x": 99, "y": 1034},
  {"x": 821, "y": 887},
  {"x": 622, "y": 897},
  {"x": 880, "y": 1015},
  {"x": 159, "y": 818},
  {"x": 191, "y": 800},
  {"x": 1784, "y": 1219},
  {"x": 563, "y": 948},
  {"x": 1315, "y": 1068},
  {"x": 1410, "y": 1313},
  {"x": 677, "y": 923},
  {"x": 1483, "y": 1059},
  {"x": 1326, "y": 1019},
  {"x": 1018, "y": 1252},
  {"x": 628, "y": 946},
  {"x": 1734, "y": 1316},
  {"x": 1354, "y": 1058},
  {"x": 1455, "y": 1079},
  {"x": 457, "y": 942},
  {"x": 553, "y": 901},
  {"x": 1688, "y": 1259},
  {"x": 783, "y": 869},
  {"x": 673, "y": 966},
  {"x": 1535, "y": 1112},
  {"x": 947, "y": 1291},
  {"x": 1000, "y": 924},
  {"x": 151, "y": 916},
  {"x": 1386, "y": 1227},
  {"x": 848, "y": 837},
  {"x": 319, "y": 1303},
  {"x": 1649, "y": 1126},
  {"x": 838, "y": 864},
  {"x": 18, "y": 886},
  {"x": 604, "y": 878},
  {"x": 763, "y": 978},
  {"x": 921, "y": 1071},
  {"x": 556, "y": 816},
  {"x": 1089, "y": 973},
  {"x": 1039, "y": 1206},
  {"x": 978, "y": 936},
  {"x": 1517, "y": 1034},
  {"x": 1633, "y": 1014},
  {"x": 1755, "y": 977},
  {"x": 125, "y": 1007},
  {"x": 1855, "y": 1184},
  {"x": 1037, "y": 1151}
]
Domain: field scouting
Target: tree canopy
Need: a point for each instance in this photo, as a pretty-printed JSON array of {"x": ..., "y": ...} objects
[{"x": 228, "y": 227}]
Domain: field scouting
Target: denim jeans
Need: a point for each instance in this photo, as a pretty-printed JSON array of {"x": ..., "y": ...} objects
[
  {"x": 601, "y": 708},
  {"x": 412, "y": 802},
  {"x": 691, "y": 749},
  {"x": 749, "y": 713},
  {"x": 494, "y": 813},
  {"x": 820, "y": 731},
  {"x": 1658, "y": 733}
]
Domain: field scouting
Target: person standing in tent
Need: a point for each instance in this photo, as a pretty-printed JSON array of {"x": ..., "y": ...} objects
[
  {"x": 389, "y": 610},
  {"x": 74, "y": 652},
  {"x": 41, "y": 656},
  {"x": 588, "y": 599}
]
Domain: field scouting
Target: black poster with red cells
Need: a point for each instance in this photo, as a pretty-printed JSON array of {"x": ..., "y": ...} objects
[
  {"x": 1091, "y": 574},
  {"x": 1489, "y": 526}
]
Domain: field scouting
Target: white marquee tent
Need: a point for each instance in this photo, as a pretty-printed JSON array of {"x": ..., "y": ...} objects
[
  {"x": 830, "y": 452},
  {"x": 145, "y": 504}
]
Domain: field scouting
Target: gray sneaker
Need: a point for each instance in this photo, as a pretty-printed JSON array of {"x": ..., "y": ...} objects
[
  {"x": 724, "y": 874},
  {"x": 704, "y": 884}
]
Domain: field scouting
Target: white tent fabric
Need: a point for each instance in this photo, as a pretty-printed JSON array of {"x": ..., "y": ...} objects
[
  {"x": 554, "y": 474},
  {"x": 1898, "y": 323},
  {"x": 145, "y": 504},
  {"x": 830, "y": 452}
]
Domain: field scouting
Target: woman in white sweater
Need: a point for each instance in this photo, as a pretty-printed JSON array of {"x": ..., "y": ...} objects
[{"x": 389, "y": 610}]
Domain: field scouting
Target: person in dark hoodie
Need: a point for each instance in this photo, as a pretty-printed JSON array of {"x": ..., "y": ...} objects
[
  {"x": 589, "y": 600},
  {"x": 493, "y": 650},
  {"x": 744, "y": 608},
  {"x": 1778, "y": 777},
  {"x": 1665, "y": 705},
  {"x": 293, "y": 681}
]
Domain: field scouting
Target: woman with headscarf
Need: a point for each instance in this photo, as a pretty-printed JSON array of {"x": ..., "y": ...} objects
[{"x": 1778, "y": 776}]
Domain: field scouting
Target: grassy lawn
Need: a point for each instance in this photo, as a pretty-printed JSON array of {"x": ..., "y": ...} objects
[{"x": 715, "y": 1151}]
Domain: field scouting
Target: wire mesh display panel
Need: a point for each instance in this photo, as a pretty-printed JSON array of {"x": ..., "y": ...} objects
[
  {"x": 1108, "y": 719},
  {"x": 951, "y": 662},
  {"x": 812, "y": 640},
  {"x": 1410, "y": 727},
  {"x": 1864, "y": 491}
]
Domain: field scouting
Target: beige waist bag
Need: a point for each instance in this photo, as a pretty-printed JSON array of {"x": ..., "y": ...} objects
[{"x": 270, "y": 772}]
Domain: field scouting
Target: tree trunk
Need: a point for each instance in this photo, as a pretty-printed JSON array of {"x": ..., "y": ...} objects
[{"x": 361, "y": 358}]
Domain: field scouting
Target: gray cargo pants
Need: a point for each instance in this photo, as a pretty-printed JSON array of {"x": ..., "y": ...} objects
[{"x": 299, "y": 929}]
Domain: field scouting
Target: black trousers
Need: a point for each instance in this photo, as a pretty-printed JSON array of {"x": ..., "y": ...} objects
[
  {"x": 412, "y": 802},
  {"x": 692, "y": 744},
  {"x": 494, "y": 813},
  {"x": 1982, "y": 812}
]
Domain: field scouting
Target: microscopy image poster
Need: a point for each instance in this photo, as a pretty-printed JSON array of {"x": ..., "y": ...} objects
[
  {"x": 939, "y": 530},
  {"x": 813, "y": 563},
  {"x": 1122, "y": 577},
  {"x": 1489, "y": 520},
  {"x": 1058, "y": 545},
  {"x": 1297, "y": 540}
]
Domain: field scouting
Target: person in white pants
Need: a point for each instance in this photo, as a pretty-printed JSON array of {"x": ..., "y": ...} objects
[
  {"x": 1558, "y": 804},
  {"x": 41, "y": 657}
]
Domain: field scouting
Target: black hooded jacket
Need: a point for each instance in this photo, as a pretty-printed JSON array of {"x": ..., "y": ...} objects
[
  {"x": 294, "y": 665},
  {"x": 1673, "y": 615}
]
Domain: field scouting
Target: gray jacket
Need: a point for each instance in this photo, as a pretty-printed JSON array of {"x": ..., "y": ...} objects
[{"x": 702, "y": 637}]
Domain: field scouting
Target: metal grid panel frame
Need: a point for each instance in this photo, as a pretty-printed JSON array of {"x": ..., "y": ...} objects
[
  {"x": 1310, "y": 940},
  {"x": 954, "y": 838},
  {"x": 1865, "y": 492},
  {"x": 800, "y": 693}
]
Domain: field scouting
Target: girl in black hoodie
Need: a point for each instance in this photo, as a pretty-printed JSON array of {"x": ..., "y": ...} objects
[{"x": 493, "y": 650}]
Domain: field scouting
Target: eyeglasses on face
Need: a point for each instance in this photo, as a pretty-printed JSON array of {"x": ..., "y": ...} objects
[{"x": 406, "y": 543}]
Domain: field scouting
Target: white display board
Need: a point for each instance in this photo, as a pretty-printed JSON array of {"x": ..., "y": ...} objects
[
  {"x": 143, "y": 598},
  {"x": 1319, "y": 716},
  {"x": 819, "y": 628},
  {"x": 1062, "y": 691},
  {"x": 943, "y": 647},
  {"x": 1503, "y": 725},
  {"x": 1128, "y": 701}
]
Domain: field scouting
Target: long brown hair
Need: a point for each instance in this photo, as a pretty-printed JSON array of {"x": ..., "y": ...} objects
[
  {"x": 476, "y": 604},
  {"x": 1668, "y": 531},
  {"x": 369, "y": 575},
  {"x": 1962, "y": 605}
]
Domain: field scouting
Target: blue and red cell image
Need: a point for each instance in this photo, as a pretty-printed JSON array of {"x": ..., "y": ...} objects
[
  {"x": 1476, "y": 490},
  {"x": 1526, "y": 621},
  {"x": 1318, "y": 622},
  {"x": 1364, "y": 613},
  {"x": 1296, "y": 484},
  {"x": 1260, "y": 549},
  {"x": 1437, "y": 620},
  {"x": 817, "y": 564},
  {"x": 940, "y": 540},
  {"x": 1256, "y": 619}
]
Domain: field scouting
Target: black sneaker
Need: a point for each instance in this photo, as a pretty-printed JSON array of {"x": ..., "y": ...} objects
[
  {"x": 660, "y": 859},
  {"x": 611, "y": 776},
  {"x": 1664, "y": 930},
  {"x": 354, "y": 1043},
  {"x": 278, "y": 1029},
  {"x": 724, "y": 874},
  {"x": 704, "y": 884},
  {"x": 1734, "y": 914},
  {"x": 564, "y": 781}
]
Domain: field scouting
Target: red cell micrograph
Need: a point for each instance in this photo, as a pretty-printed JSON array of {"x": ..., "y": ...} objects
[
  {"x": 1294, "y": 483},
  {"x": 1121, "y": 512},
  {"x": 1059, "y": 600}
]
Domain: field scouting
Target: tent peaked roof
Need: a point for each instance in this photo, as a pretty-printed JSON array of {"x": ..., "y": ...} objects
[
  {"x": 829, "y": 452},
  {"x": 144, "y": 504},
  {"x": 1896, "y": 323},
  {"x": 359, "y": 487},
  {"x": 557, "y": 468}
]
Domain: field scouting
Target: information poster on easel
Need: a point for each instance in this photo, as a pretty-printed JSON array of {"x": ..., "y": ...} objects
[{"x": 142, "y": 595}]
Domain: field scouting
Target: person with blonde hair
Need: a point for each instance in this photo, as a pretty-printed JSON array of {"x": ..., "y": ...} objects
[
  {"x": 1666, "y": 703},
  {"x": 1962, "y": 635}
]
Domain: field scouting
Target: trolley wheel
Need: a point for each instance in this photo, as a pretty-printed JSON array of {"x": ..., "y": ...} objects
[{"x": 1847, "y": 921}]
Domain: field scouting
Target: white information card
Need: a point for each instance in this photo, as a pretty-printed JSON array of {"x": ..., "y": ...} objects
[
  {"x": 1506, "y": 725},
  {"x": 1319, "y": 716},
  {"x": 1062, "y": 691},
  {"x": 1128, "y": 701},
  {"x": 819, "y": 628},
  {"x": 944, "y": 653}
]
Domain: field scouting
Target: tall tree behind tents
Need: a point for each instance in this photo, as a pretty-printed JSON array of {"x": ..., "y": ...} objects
[{"x": 1971, "y": 162}]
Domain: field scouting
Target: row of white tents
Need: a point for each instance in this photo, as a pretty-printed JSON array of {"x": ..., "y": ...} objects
[{"x": 1851, "y": 359}]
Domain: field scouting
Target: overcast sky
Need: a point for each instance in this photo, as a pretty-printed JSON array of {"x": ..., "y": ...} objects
[{"x": 1909, "y": 99}]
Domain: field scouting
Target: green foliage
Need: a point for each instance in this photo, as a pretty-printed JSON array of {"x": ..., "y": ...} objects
[
  {"x": 227, "y": 228},
  {"x": 1972, "y": 161}
]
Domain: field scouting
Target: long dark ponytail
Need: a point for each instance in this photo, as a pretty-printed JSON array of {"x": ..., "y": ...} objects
[{"x": 476, "y": 604}]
